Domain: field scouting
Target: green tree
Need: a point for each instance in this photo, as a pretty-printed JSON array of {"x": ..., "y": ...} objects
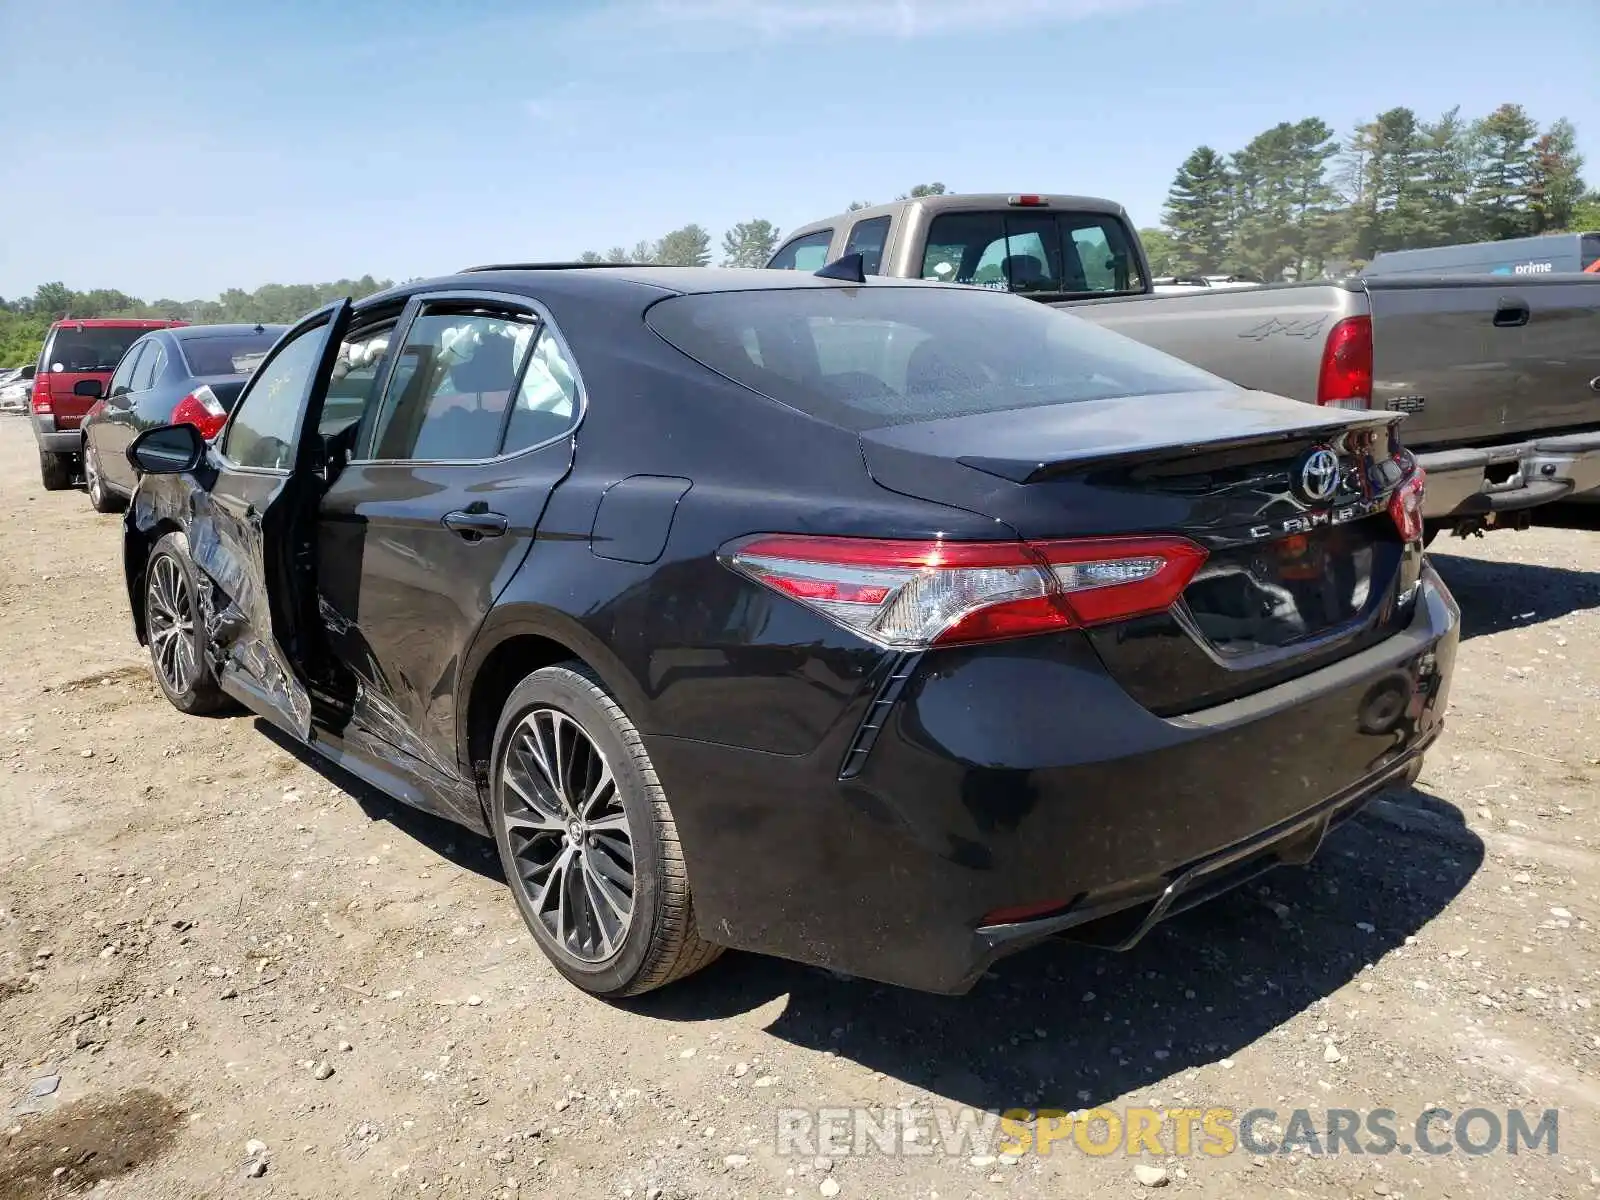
[
  {"x": 644, "y": 253},
  {"x": 590, "y": 256},
  {"x": 1161, "y": 248},
  {"x": 857, "y": 205},
  {"x": 686, "y": 247},
  {"x": 1445, "y": 165},
  {"x": 749, "y": 244},
  {"x": 1557, "y": 185},
  {"x": 53, "y": 300},
  {"x": 1503, "y": 172},
  {"x": 1393, "y": 209},
  {"x": 923, "y": 189},
  {"x": 618, "y": 254},
  {"x": 1199, "y": 212}
]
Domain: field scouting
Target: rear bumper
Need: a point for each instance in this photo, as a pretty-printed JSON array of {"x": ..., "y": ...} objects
[
  {"x": 57, "y": 441},
  {"x": 1476, "y": 481},
  {"x": 1024, "y": 777}
]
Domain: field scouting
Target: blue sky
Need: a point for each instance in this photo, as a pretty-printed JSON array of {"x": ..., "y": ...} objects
[{"x": 175, "y": 149}]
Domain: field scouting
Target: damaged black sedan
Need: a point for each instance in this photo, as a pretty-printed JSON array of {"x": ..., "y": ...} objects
[{"x": 881, "y": 625}]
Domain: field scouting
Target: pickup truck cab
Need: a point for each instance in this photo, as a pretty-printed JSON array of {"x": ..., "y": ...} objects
[
  {"x": 1043, "y": 247},
  {"x": 1499, "y": 376}
]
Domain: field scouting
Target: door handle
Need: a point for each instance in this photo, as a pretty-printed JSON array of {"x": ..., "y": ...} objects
[
  {"x": 1510, "y": 314},
  {"x": 475, "y": 525}
]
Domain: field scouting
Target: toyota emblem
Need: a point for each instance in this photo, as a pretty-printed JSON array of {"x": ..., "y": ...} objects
[{"x": 1319, "y": 475}]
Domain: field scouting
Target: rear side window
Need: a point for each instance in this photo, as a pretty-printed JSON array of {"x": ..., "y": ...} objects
[
  {"x": 868, "y": 238},
  {"x": 1032, "y": 251},
  {"x": 1590, "y": 254},
  {"x": 547, "y": 398},
  {"x": 150, "y": 365},
  {"x": 868, "y": 357},
  {"x": 455, "y": 376},
  {"x": 88, "y": 347},
  {"x": 808, "y": 253},
  {"x": 226, "y": 353}
]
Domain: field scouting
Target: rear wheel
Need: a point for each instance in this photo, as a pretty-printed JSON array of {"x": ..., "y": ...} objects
[
  {"x": 175, "y": 630},
  {"x": 587, "y": 839},
  {"x": 55, "y": 470},
  {"x": 101, "y": 498}
]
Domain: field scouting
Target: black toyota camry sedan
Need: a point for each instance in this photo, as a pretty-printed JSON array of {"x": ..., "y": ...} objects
[{"x": 881, "y": 625}]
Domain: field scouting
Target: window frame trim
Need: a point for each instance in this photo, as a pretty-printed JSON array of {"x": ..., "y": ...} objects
[{"x": 513, "y": 301}]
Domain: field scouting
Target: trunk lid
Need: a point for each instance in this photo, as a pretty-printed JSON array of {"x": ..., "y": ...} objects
[{"x": 1290, "y": 501}]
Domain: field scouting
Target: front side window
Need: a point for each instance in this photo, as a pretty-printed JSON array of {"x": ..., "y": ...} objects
[
  {"x": 451, "y": 385},
  {"x": 261, "y": 433},
  {"x": 121, "y": 381},
  {"x": 1032, "y": 252},
  {"x": 868, "y": 238},
  {"x": 808, "y": 253}
]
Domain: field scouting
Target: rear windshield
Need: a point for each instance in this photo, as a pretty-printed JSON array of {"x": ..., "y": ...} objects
[
  {"x": 226, "y": 353},
  {"x": 91, "y": 348},
  {"x": 1032, "y": 251},
  {"x": 869, "y": 357}
]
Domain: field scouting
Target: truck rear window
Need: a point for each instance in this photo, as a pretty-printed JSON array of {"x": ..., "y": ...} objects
[
  {"x": 866, "y": 357},
  {"x": 1032, "y": 252},
  {"x": 90, "y": 348}
]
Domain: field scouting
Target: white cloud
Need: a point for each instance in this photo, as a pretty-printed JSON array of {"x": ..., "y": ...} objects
[{"x": 776, "y": 19}]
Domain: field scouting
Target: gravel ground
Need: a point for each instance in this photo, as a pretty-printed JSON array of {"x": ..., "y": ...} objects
[{"x": 242, "y": 974}]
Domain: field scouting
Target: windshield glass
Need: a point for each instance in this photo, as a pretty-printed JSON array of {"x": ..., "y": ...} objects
[
  {"x": 227, "y": 353},
  {"x": 869, "y": 357},
  {"x": 89, "y": 347}
]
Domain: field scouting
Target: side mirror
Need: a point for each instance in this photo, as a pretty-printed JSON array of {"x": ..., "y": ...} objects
[
  {"x": 167, "y": 450},
  {"x": 88, "y": 387}
]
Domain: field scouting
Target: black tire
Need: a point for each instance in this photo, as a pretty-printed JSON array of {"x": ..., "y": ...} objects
[
  {"x": 660, "y": 942},
  {"x": 101, "y": 498},
  {"x": 55, "y": 470},
  {"x": 194, "y": 691}
]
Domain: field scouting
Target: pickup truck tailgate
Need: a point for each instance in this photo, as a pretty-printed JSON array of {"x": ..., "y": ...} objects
[{"x": 1476, "y": 359}]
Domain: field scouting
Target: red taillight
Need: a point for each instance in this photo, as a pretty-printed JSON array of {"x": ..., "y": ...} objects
[
  {"x": 1345, "y": 380},
  {"x": 1028, "y": 200},
  {"x": 203, "y": 410},
  {"x": 1405, "y": 506},
  {"x": 41, "y": 395},
  {"x": 915, "y": 594}
]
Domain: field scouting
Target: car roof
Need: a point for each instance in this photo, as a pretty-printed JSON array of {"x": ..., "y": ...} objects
[
  {"x": 186, "y": 333},
  {"x": 115, "y": 323},
  {"x": 600, "y": 280},
  {"x": 965, "y": 202}
]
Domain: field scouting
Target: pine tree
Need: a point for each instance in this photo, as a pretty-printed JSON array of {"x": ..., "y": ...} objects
[
  {"x": 1503, "y": 171},
  {"x": 1199, "y": 212},
  {"x": 1557, "y": 185}
]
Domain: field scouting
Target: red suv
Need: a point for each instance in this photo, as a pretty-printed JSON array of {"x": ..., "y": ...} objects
[{"x": 76, "y": 352}]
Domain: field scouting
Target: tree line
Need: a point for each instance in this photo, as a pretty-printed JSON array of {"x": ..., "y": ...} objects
[
  {"x": 23, "y": 322},
  {"x": 1297, "y": 200}
]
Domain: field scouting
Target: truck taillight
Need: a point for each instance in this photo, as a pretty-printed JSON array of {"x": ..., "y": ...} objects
[
  {"x": 911, "y": 595},
  {"x": 203, "y": 410},
  {"x": 41, "y": 395},
  {"x": 1345, "y": 380},
  {"x": 1405, "y": 506},
  {"x": 1027, "y": 200}
]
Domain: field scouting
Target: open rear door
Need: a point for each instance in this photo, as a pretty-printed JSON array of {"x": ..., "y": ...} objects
[{"x": 256, "y": 545}]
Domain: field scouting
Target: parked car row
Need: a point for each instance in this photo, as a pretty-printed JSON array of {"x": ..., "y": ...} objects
[{"x": 16, "y": 386}]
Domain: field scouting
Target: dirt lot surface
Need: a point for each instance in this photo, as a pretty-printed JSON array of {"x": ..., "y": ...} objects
[{"x": 198, "y": 924}]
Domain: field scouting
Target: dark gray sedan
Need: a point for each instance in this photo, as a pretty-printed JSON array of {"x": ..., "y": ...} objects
[{"x": 190, "y": 374}]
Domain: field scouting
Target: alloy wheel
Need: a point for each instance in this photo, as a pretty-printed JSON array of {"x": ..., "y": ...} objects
[
  {"x": 91, "y": 473},
  {"x": 569, "y": 835},
  {"x": 171, "y": 625}
]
